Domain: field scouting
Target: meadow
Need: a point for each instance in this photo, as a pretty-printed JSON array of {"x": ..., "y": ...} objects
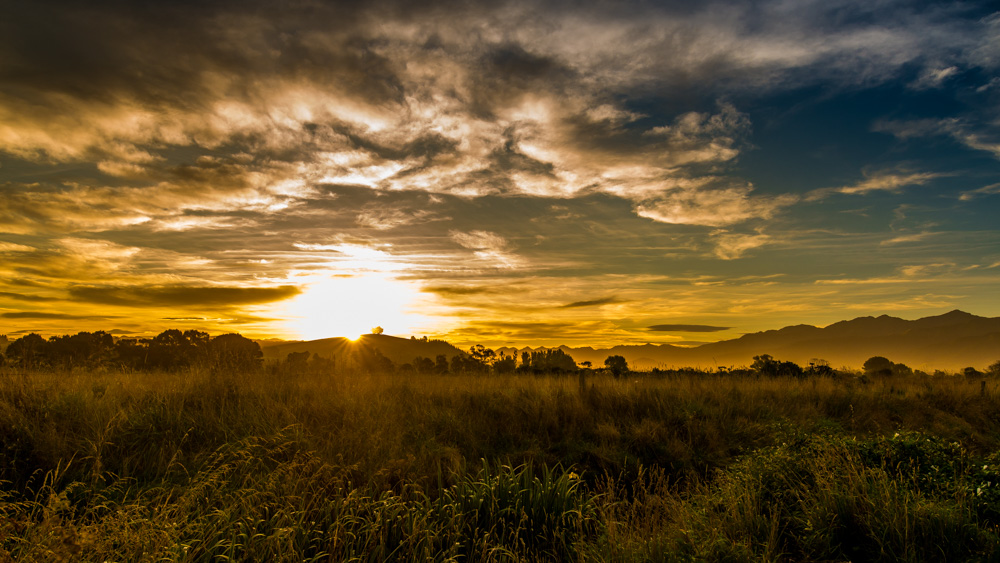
[{"x": 258, "y": 465}]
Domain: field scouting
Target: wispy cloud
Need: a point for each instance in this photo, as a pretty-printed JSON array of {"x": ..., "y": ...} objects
[
  {"x": 905, "y": 238},
  {"x": 980, "y": 136},
  {"x": 888, "y": 180},
  {"x": 730, "y": 246},
  {"x": 687, "y": 328},
  {"x": 991, "y": 189}
]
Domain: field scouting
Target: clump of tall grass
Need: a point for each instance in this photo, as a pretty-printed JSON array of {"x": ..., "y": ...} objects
[{"x": 906, "y": 498}]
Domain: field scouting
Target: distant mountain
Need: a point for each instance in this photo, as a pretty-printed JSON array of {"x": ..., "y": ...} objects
[
  {"x": 950, "y": 341},
  {"x": 399, "y": 350}
]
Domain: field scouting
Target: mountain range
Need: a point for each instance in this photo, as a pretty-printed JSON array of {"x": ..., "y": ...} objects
[{"x": 950, "y": 342}]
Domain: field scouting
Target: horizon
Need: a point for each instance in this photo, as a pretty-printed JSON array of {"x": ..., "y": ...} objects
[
  {"x": 555, "y": 343},
  {"x": 519, "y": 173}
]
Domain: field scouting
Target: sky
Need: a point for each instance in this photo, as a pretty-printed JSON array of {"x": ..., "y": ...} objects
[{"x": 506, "y": 173}]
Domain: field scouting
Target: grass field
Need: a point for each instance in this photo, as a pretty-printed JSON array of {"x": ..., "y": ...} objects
[{"x": 197, "y": 466}]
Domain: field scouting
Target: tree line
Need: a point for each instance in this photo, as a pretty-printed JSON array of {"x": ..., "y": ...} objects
[
  {"x": 173, "y": 350},
  {"x": 169, "y": 350}
]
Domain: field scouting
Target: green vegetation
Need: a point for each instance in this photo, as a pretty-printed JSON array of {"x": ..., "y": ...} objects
[{"x": 294, "y": 463}]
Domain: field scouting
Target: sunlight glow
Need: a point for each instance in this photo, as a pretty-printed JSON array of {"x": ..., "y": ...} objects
[{"x": 350, "y": 306}]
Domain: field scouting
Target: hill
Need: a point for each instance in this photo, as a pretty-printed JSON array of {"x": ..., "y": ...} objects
[{"x": 399, "y": 350}]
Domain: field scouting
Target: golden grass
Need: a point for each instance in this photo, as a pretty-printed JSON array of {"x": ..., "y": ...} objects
[{"x": 246, "y": 464}]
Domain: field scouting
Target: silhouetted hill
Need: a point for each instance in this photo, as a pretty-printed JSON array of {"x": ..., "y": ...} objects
[
  {"x": 399, "y": 350},
  {"x": 950, "y": 341}
]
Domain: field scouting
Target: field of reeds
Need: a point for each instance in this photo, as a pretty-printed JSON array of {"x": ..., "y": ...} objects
[{"x": 203, "y": 466}]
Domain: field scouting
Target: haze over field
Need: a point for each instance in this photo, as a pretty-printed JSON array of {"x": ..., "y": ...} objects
[{"x": 507, "y": 173}]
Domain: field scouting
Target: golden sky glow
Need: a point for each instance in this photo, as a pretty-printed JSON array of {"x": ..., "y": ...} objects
[{"x": 503, "y": 173}]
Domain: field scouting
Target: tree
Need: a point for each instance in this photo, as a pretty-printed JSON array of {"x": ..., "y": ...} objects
[
  {"x": 506, "y": 364},
  {"x": 972, "y": 373},
  {"x": 235, "y": 352},
  {"x": 377, "y": 330},
  {"x": 617, "y": 365},
  {"x": 297, "y": 361},
  {"x": 766, "y": 366},
  {"x": 821, "y": 368},
  {"x": 552, "y": 361},
  {"x": 441, "y": 364},
  {"x": 483, "y": 354},
  {"x": 29, "y": 352},
  {"x": 877, "y": 365},
  {"x": 423, "y": 365},
  {"x": 994, "y": 369}
]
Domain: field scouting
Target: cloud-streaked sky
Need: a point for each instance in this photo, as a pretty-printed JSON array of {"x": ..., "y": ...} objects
[{"x": 496, "y": 172}]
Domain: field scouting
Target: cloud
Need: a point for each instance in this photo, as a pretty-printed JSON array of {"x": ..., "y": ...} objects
[
  {"x": 22, "y": 297},
  {"x": 459, "y": 290},
  {"x": 713, "y": 207},
  {"x": 730, "y": 246},
  {"x": 980, "y": 135},
  {"x": 488, "y": 247},
  {"x": 933, "y": 77},
  {"x": 60, "y": 316},
  {"x": 13, "y": 247},
  {"x": 172, "y": 153},
  {"x": 912, "y": 237},
  {"x": 479, "y": 240},
  {"x": 591, "y": 303},
  {"x": 387, "y": 218},
  {"x": 889, "y": 180},
  {"x": 991, "y": 189},
  {"x": 181, "y": 296},
  {"x": 687, "y": 328}
]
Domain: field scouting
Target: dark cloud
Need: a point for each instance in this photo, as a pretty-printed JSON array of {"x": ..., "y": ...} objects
[
  {"x": 591, "y": 303},
  {"x": 22, "y": 297},
  {"x": 460, "y": 290},
  {"x": 42, "y": 315},
  {"x": 189, "y": 296},
  {"x": 687, "y": 328}
]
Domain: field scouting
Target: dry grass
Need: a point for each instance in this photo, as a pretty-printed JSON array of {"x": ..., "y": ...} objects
[{"x": 259, "y": 466}]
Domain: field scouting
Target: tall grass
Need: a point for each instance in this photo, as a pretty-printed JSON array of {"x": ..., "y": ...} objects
[{"x": 197, "y": 466}]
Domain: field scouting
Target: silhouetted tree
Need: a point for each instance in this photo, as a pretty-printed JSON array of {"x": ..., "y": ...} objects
[
  {"x": 505, "y": 364},
  {"x": 28, "y": 352},
  {"x": 297, "y": 361},
  {"x": 169, "y": 350},
  {"x": 234, "y": 352},
  {"x": 901, "y": 370},
  {"x": 994, "y": 369},
  {"x": 551, "y": 361},
  {"x": 441, "y": 364},
  {"x": 617, "y": 365},
  {"x": 84, "y": 349},
  {"x": 377, "y": 330},
  {"x": 423, "y": 365},
  {"x": 820, "y": 368},
  {"x": 464, "y": 363},
  {"x": 972, "y": 373},
  {"x": 372, "y": 360},
  {"x": 766, "y": 366},
  {"x": 483, "y": 354},
  {"x": 877, "y": 366}
]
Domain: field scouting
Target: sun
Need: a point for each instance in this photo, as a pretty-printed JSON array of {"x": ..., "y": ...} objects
[{"x": 349, "y": 306}]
